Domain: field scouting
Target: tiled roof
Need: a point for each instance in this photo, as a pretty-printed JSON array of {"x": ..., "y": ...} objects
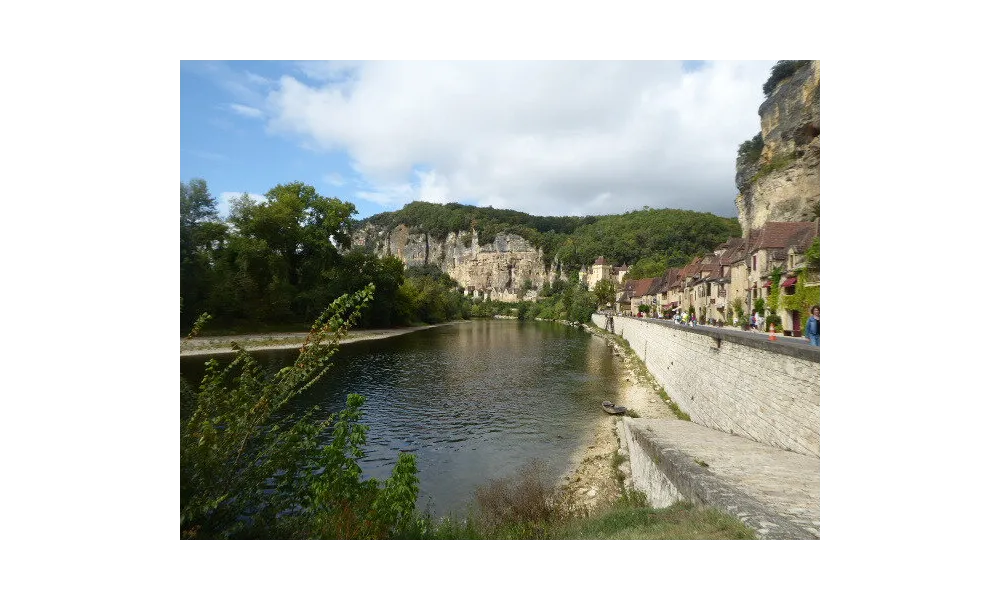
[
  {"x": 672, "y": 279},
  {"x": 600, "y": 261},
  {"x": 734, "y": 252},
  {"x": 783, "y": 235},
  {"x": 642, "y": 286}
]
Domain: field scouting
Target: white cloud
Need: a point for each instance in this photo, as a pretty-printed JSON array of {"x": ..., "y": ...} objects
[
  {"x": 257, "y": 79},
  {"x": 542, "y": 137},
  {"x": 246, "y": 111},
  {"x": 334, "y": 179}
]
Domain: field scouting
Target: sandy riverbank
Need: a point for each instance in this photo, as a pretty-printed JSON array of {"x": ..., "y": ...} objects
[
  {"x": 221, "y": 344},
  {"x": 592, "y": 483}
]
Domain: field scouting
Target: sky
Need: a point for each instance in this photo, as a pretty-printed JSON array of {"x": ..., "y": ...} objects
[{"x": 546, "y": 138}]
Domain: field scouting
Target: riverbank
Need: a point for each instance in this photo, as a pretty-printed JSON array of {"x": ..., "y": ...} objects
[
  {"x": 222, "y": 344},
  {"x": 593, "y": 482}
]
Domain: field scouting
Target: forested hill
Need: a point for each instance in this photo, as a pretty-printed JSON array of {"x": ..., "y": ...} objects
[{"x": 651, "y": 239}]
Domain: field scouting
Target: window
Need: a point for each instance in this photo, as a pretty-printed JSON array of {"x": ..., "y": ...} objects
[{"x": 754, "y": 262}]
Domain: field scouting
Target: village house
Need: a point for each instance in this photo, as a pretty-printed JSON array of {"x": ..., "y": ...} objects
[
  {"x": 601, "y": 270},
  {"x": 737, "y": 273}
]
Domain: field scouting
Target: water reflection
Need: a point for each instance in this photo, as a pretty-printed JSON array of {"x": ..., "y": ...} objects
[{"x": 473, "y": 401}]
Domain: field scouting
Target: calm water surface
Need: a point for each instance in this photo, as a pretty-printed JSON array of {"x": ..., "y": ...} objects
[{"x": 472, "y": 401}]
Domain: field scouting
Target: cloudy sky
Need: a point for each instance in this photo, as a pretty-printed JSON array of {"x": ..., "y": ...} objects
[{"x": 547, "y": 138}]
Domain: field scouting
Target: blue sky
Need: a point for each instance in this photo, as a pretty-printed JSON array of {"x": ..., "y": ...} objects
[{"x": 541, "y": 137}]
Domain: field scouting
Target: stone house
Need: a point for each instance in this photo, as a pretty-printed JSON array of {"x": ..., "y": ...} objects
[
  {"x": 737, "y": 272},
  {"x": 667, "y": 295},
  {"x": 601, "y": 270},
  {"x": 642, "y": 291},
  {"x": 781, "y": 247}
]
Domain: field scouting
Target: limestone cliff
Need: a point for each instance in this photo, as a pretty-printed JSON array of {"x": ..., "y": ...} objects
[
  {"x": 496, "y": 270},
  {"x": 782, "y": 182}
]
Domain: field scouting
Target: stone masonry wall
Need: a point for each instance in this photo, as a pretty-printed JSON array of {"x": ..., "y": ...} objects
[{"x": 767, "y": 393}]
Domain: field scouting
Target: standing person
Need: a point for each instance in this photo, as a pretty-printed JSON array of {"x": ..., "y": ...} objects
[{"x": 812, "y": 326}]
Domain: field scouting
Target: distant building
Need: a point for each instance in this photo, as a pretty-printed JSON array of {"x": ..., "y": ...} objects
[{"x": 601, "y": 270}]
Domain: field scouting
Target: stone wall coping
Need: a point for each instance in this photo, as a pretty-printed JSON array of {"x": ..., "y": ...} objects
[{"x": 804, "y": 352}]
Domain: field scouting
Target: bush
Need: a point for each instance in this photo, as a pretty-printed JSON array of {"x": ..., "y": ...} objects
[
  {"x": 520, "y": 505},
  {"x": 781, "y": 71},
  {"x": 249, "y": 470},
  {"x": 749, "y": 151}
]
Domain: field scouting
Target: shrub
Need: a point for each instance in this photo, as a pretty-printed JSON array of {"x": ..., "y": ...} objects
[
  {"x": 781, "y": 71},
  {"x": 520, "y": 505},
  {"x": 249, "y": 470}
]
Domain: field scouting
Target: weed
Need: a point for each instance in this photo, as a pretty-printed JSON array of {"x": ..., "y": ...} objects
[{"x": 701, "y": 463}]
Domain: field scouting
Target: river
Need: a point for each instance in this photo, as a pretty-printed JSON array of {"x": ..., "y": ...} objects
[{"x": 472, "y": 401}]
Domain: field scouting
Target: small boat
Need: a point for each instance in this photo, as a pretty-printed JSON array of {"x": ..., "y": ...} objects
[{"x": 611, "y": 409}]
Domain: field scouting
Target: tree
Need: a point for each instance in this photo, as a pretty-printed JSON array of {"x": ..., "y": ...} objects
[
  {"x": 781, "y": 71},
  {"x": 202, "y": 237},
  {"x": 247, "y": 471},
  {"x": 605, "y": 292},
  {"x": 302, "y": 234}
]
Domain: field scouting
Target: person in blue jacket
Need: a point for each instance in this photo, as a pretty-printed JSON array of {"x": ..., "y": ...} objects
[{"x": 812, "y": 326}]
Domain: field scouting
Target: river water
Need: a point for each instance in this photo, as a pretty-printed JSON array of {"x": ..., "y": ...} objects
[{"x": 472, "y": 401}]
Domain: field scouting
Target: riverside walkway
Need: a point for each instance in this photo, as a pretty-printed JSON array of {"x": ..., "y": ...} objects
[{"x": 739, "y": 383}]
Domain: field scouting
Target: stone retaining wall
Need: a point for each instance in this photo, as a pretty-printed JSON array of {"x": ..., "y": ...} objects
[{"x": 760, "y": 390}]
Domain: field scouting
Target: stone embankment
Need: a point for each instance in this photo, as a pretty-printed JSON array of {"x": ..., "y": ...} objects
[{"x": 771, "y": 489}]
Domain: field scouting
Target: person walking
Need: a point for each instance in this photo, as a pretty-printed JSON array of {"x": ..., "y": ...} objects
[{"x": 812, "y": 326}]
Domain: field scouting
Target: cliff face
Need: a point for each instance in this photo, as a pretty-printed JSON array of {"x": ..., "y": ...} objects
[
  {"x": 783, "y": 183},
  {"x": 497, "y": 269}
]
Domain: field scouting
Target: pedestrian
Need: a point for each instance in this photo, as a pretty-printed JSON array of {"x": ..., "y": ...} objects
[
  {"x": 812, "y": 326},
  {"x": 756, "y": 321}
]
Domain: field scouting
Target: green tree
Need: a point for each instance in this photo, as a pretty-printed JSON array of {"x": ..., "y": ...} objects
[
  {"x": 202, "y": 240},
  {"x": 294, "y": 238},
  {"x": 781, "y": 71},
  {"x": 604, "y": 290},
  {"x": 250, "y": 470}
]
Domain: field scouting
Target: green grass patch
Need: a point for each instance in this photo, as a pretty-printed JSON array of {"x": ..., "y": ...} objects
[
  {"x": 682, "y": 521},
  {"x": 777, "y": 163}
]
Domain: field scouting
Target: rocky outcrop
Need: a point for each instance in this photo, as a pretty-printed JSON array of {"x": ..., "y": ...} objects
[
  {"x": 782, "y": 183},
  {"x": 496, "y": 270}
]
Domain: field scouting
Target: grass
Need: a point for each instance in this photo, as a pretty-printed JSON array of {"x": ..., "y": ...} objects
[
  {"x": 682, "y": 521},
  {"x": 523, "y": 508},
  {"x": 629, "y": 519},
  {"x": 777, "y": 163}
]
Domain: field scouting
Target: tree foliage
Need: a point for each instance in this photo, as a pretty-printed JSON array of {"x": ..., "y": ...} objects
[
  {"x": 750, "y": 150},
  {"x": 604, "y": 290},
  {"x": 279, "y": 261},
  {"x": 668, "y": 235},
  {"x": 249, "y": 470},
  {"x": 781, "y": 71}
]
